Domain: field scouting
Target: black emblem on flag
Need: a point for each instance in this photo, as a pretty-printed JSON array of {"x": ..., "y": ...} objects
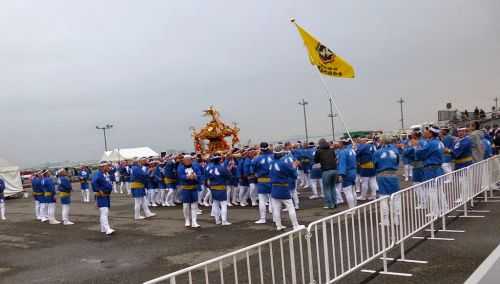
[{"x": 325, "y": 54}]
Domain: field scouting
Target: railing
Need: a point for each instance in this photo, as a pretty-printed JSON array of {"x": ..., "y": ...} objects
[
  {"x": 335, "y": 246},
  {"x": 280, "y": 259},
  {"x": 339, "y": 244}
]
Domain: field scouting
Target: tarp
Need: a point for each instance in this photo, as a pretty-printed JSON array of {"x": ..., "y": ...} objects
[
  {"x": 11, "y": 176},
  {"x": 128, "y": 154}
]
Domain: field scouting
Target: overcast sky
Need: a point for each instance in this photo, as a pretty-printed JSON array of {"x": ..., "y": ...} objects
[{"x": 151, "y": 67}]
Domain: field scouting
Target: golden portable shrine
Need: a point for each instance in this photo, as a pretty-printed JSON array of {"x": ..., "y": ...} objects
[{"x": 215, "y": 132}]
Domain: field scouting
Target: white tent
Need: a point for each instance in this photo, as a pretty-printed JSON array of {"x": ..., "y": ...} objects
[
  {"x": 11, "y": 176},
  {"x": 128, "y": 154}
]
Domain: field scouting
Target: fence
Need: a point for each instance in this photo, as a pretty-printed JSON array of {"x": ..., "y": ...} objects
[{"x": 333, "y": 247}]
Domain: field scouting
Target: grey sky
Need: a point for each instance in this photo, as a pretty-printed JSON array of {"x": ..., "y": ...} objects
[{"x": 151, "y": 67}]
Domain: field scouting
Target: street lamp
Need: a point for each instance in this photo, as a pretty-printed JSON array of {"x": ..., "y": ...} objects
[
  {"x": 303, "y": 103},
  {"x": 104, "y": 128}
]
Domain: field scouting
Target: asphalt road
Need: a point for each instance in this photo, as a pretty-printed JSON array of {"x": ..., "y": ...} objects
[{"x": 32, "y": 252}]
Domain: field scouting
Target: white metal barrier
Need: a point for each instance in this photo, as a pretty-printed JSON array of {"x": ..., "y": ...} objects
[
  {"x": 335, "y": 246},
  {"x": 280, "y": 259}
]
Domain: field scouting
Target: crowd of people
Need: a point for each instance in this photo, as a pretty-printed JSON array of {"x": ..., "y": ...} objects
[{"x": 267, "y": 176}]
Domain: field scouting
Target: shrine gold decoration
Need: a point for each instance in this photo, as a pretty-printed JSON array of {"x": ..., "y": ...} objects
[{"x": 215, "y": 133}]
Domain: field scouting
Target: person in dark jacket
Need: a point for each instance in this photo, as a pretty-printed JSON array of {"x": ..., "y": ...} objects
[{"x": 326, "y": 157}]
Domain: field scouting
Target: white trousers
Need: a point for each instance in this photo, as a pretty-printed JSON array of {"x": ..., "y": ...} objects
[
  {"x": 2, "y": 209},
  {"x": 85, "y": 196},
  {"x": 44, "y": 214},
  {"x": 338, "y": 190},
  {"x": 276, "y": 204},
  {"x": 103, "y": 219},
  {"x": 38, "y": 216},
  {"x": 244, "y": 194},
  {"x": 219, "y": 211},
  {"x": 140, "y": 202},
  {"x": 385, "y": 211},
  {"x": 369, "y": 187},
  {"x": 253, "y": 193},
  {"x": 208, "y": 198},
  {"x": 446, "y": 168},
  {"x": 52, "y": 211},
  {"x": 65, "y": 212},
  {"x": 295, "y": 198},
  {"x": 408, "y": 171},
  {"x": 190, "y": 210},
  {"x": 315, "y": 184},
  {"x": 263, "y": 200},
  {"x": 349, "y": 196},
  {"x": 170, "y": 196},
  {"x": 125, "y": 185},
  {"x": 236, "y": 194}
]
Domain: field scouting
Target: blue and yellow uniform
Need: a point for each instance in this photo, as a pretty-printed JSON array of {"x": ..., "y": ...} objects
[
  {"x": 189, "y": 193},
  {"x": 218, "y": 176},
  {"x": 102, "y": 188},
  {"x": 49, "y": 191},
  {"x": 281, "y": 172},
  {"x": 386, "y": 161},
  {"x": 347, "y": 165},
  {"x": 462, "y": 153},
  {"x": 260, "y": 167},
  {"x": 65, "y": 190},
  {"x": 84, "y": 180},
  {"x": 418, "y": 165},
  {"x": 36, "y": 185},
  {"x": 170, "y": 172},
  {"x": 364, "y": 157},
  {"x": 432, "y": 156},
  {"x": 449, "y": 143},
  {"x": 138, "y": 181}
]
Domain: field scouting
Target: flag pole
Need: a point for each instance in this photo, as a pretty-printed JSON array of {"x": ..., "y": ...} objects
[{"x": 330, "y": 96}]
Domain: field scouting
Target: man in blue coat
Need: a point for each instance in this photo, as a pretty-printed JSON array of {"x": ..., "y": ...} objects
[
  {"x": 449, "y": 143},
  {"x": 36, "y": 185},
  {"x": 49, "y": 194},
  {"x": 65, "y": 190},
  {"x": 84, "y": 184},
  {"x": 218, "y": 177},
  {"x": 260, "y": 167},
  {"x": 138, "y": 181},
  {"x": 347, "y": 171},
  {"x": 364, "y": 157},
  {"x": 189, "y": 177},
  {"x": 281, "y": 172},
  {"x": 386, "y": 161},
  {"x": 103, "y": 189}
]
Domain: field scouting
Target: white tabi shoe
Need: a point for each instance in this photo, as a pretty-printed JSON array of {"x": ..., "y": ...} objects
[
  {"x": 226, "y": 223},
  {"x": 260, "y": 221},
  {"x": 140, "y": 218},
  {"x": 67, "y": 223},
  {"x": 111, "y": 231},
  {"x": 150, "y": 215},
  {"x": 280, "y": 228}
]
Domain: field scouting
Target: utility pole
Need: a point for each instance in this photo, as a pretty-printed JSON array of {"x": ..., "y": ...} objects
[
  {"x": 401, "y": 102},
  {"x": 303, "y": 103},
  {"x": 104, "y": 128},
  {"x": 331, "y": 115},
  {"x": 496, "y": 103}
]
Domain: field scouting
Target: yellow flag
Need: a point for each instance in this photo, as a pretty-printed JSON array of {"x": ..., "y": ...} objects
[{"x": 326, "y": 61}]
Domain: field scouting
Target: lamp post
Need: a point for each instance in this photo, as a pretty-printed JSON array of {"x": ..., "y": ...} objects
[
  {"x": 104, "y": 128},
  {"x": 303, "y": 103},
  {"x": 331, "y": 115}
]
